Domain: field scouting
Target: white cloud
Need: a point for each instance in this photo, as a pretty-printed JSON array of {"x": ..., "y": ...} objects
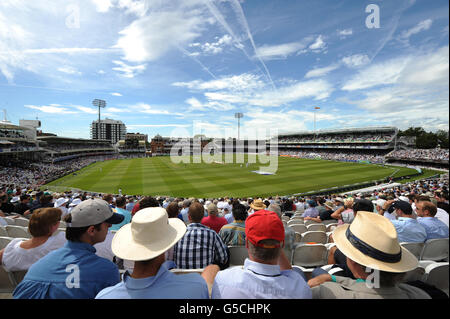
[
  {"x": 344, "y": 33},
  {"x": 421, "y": 26},
  {"x": 248, "y": 89},
  {"x": 384, "y": 73},
  {"x": 412, "y": 70},
  {"x": 218, "y": 46},
  {"x": 316, "y": 89},
  {"x": 195, "y": 105},
  {"x": 129, "y": 71},
  {"x": 281, "y": 51},
  {"x": 357, "y": 60},
  {"x": 116, "y": 94},
  {"x": 148, "y": 109},
  {"x": 241, "y": 82},
  {"x": 150, "y": 37},
  {"x": 102, "y": 5},
  {"x": 87, "y": 110},
  {"x": 67, "y": 51},
  {"x": 318, "y": 72},
  {"x": 69, "y": 70},
  {"x": 52, "y": 109},
  {"x": 318, "y": 45},
  {"x": 414, "y": 94}
]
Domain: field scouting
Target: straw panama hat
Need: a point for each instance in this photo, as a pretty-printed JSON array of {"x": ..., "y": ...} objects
[
  {"x": 375, "y": 235},
  {"x": 149, "y": 234},
  {"x": 257, "y": 205}
]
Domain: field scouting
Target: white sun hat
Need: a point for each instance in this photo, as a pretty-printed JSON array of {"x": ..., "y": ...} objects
[
  {"x": 371, "y": 240},
  {"x": 60, "y": 201},
  {"x": 150, "y": 234},
  {"x": 75, "y": 202}
]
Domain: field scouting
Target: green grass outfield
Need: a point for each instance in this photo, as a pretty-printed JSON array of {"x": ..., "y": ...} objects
[{"x": 160, "y": 176}]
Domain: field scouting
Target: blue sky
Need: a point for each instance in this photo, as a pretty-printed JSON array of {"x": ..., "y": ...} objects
[{"x": 181, "y": 67}]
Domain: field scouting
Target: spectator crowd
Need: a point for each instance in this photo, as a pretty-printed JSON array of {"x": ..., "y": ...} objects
[{"x": 124, "y": 247}]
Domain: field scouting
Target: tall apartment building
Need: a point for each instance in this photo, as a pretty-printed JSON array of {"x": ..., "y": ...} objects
[{"x": 108, "y": 129}]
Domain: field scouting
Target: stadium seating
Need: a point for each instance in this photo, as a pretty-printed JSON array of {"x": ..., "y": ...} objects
[
  {"x": 238, "y": 254},
  {"x": 4, "y": 241},
  {"x": 6, "y": 285},
  {"x": 298, "y": 237},
  {"x": 414, "y": 248},
  {"x": 17, "y": 231},
  {"x": 295, "y": 222},
  {"x": 330, "y": 227},
  {"x": 310, "y": 222},
  {"x": 298, "y": 228},
  {"x": 17, "y": 276},
  {"x": 285, "y": 218},
  {"x": 435, "y": 249},
  {"x": 318, "y": 237},
  {"x": 3, "y": 232},
  {"x": 316, "y": 227},
  {"x": 21, "y": 222},
  {"x": 310, "y": 255},
  {"x": 329, "y": 222},
  {"x": 9, "y": 220},
  {"x": 436, "y": 275}
]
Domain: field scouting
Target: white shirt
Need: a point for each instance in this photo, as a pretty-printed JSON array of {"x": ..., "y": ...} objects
[
  {"x": 16, "y": 258},
  {"x": 104, "y": 248},
  {"x": 64, "y": 210},
  {"x": 442, "y": 215}
]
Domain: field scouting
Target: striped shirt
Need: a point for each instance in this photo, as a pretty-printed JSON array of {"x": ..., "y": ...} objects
[
  {"x": 199, "y": 247},
  {"x": 233, "y": 234}
]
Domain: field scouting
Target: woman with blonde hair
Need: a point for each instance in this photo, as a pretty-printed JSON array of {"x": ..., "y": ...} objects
[{"x": 20, "y": 254}]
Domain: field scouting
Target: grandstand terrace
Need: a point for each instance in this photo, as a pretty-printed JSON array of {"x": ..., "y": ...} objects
[
  {"x": 134, "y": 144},
  {"x": 437, "y": 158},
  {"x": 16, "y": 141},
  {"x": 352, "y": 144},
  {"x": 63, "y": 148}
]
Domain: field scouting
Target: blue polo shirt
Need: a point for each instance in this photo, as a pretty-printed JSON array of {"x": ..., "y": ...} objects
[
  {"x": 409, "y": 230},
  {"x": 72, "y": 272},
  {"x": 260, "y": 281},
  {"x": 165, "y": 285},
  {"x": 434, "y": 227}
]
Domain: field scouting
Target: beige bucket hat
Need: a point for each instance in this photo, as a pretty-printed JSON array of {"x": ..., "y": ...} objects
[
  {"x": 371, "y": 240},
  {"x": 150, "y": 233},
  {"x": 257, "y": 204}
]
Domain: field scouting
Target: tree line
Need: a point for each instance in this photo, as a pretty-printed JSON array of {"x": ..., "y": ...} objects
[{"x": 425, "y": 140}]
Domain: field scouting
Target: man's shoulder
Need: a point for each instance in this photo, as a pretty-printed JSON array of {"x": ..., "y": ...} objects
[{"x": 112, "y": 292}]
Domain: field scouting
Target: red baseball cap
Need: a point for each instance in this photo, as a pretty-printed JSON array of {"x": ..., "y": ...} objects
[{"x": 264, "y": 224}]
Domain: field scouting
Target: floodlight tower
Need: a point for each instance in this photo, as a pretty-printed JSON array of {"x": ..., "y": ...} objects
[
  {"x": 99, "y": 104},
  {"x": 239, "y": 116}
]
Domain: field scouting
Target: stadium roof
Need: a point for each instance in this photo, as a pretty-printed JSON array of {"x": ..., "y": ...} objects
[
  {"x": 9, "y": 125},
  {"x": 59, "y": 138},
  {"x": 343, "y": 130}
]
